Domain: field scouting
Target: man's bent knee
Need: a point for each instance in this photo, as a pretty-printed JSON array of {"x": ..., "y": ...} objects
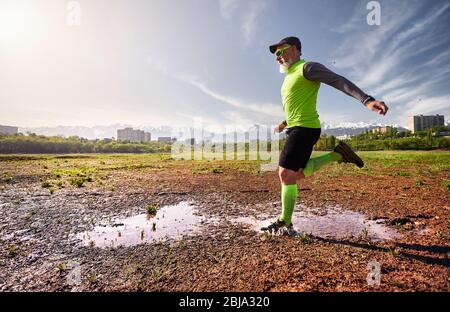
[
  {"x": 300, "y": 174},
  {"x": 287, "y": 176}
]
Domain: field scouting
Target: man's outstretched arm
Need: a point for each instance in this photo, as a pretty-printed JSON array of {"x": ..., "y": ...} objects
[{"x": 317, "y": 72}]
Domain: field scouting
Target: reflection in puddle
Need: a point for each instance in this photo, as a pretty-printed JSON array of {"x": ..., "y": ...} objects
[
  {"x": 169, "y": 222},
  {"x": 330, "y": 222}
]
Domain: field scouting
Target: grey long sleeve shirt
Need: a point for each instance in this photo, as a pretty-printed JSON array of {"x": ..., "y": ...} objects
[{"x": 318, "y": 72}]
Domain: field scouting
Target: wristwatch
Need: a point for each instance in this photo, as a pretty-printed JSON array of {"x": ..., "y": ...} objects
[{"x": 368, "y": 99}]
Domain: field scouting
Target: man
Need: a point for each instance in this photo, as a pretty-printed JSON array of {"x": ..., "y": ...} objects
[{"x": 299, "y": 94}]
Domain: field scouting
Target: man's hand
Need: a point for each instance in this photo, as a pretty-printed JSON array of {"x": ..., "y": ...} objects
[
  {"x": 377, "y": 107},
  {"x": 280, "y": 127}
]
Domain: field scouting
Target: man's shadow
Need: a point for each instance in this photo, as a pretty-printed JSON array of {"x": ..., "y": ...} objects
[{"x": 425, "y": 259}]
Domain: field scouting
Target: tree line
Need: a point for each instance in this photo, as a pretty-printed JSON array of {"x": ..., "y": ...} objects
[
  {"x": 40, "y": 144},
  {"x": 392, "y": 140},
  {"x": 368, "y": 141}
]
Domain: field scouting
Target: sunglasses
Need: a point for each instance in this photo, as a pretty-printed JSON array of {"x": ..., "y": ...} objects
[{"x": 280, "y": 52}]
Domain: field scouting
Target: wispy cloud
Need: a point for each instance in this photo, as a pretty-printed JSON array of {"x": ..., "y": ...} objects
[
  {"x": 394, "y": 61},
  {"x": 251, "y": 19},
  {"x": 250, "y": 111},
  {"x": 248, "y": 13},
  {"x": 429, "y": 105},
  {"x": 228, "y": 7},
  {"x": 258, "y": 108}
]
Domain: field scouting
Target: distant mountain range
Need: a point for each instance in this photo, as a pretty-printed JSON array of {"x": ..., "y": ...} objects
[
  {"x": 110, "y": 131},
  {"x": 347, "y": 128}
]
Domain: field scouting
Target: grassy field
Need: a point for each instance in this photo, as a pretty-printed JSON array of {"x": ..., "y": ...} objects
[{"x": 84, "y": 169}]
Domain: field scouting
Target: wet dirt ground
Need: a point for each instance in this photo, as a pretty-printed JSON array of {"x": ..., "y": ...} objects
[{"x": 146, "y": 222}]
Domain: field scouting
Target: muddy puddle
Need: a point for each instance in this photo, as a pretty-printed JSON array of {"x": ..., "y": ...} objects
[
  {"x": 170, "y": 222},
  {"x": 175, "y": 221},
  {"x": 330, "y": 222}
]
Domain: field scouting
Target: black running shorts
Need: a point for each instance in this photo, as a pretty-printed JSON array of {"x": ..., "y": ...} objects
[{"x": 298, "y": 147}]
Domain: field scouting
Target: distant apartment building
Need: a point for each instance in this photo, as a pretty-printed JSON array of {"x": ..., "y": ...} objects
[
  {"x": 129, "y": 134},
  {"x": 206, "y": 141},
  {"x": 343, "y": 137},
  {"x": 386, "y": 129},
  {"x": 166, "y": 139},
  {"x": 443, "y": 133},
  {"x": 421, "y": 122},
  {"x": 8, "y": 130}
]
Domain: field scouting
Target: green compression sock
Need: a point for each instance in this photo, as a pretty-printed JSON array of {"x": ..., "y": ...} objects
[
  {"x": 288, "y": 199},
  {"x": 315, "y": 163}
]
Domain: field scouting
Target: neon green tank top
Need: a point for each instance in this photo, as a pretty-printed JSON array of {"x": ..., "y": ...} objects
[{"x": 299, "y": 97}]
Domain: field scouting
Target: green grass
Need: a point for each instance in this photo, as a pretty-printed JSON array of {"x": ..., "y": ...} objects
[
  {"x": 78, "y": 181},
  {"x": 446, "y": 184},
  {"x": 7, "y": 177},
  {"x": 407, "y": 158},
  {"x": 80, "y": 169},
  {"x": 403, "y": 163},
  {"x": 46, "y": 184},
  {"x": 394, "y": 251},
  {"x": 419, "y": 182}
]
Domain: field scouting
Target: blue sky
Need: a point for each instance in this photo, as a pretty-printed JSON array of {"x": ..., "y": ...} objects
[{"x": 168, "y": 62}]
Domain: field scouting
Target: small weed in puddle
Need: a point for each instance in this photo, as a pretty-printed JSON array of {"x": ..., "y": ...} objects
[
  {"x": 151, "y": 209},
  {"x": 364, "y": 235}
]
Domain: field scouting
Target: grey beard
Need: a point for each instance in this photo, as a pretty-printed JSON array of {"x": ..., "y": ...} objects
[{"x": 284, "y": 68}]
